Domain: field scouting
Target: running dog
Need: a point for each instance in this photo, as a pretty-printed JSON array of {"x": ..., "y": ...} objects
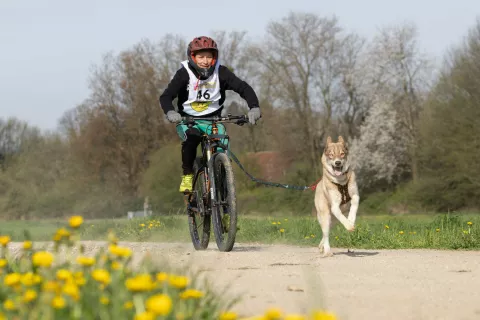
[{"x": 337, "y": 191}]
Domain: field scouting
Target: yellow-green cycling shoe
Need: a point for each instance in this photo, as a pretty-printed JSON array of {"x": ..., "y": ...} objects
[{"x": 187, "y": 181}]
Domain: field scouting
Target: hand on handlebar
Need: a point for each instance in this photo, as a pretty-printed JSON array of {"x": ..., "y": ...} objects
[
  {"x": 253, "y": 115},
  {"x": 173, "y": 116}
]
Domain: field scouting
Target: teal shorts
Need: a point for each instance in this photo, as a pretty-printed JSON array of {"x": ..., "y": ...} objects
[{"x": 203, "y": 126}]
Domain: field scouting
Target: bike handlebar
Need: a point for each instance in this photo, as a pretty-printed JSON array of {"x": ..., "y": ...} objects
[{"x": 240, "y": 120}]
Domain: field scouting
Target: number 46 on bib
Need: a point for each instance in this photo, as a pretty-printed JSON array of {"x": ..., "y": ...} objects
[{"x": 203, "y": 95}]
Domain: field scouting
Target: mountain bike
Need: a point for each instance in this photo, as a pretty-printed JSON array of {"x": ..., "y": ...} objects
[{"x": 213, "y": 198}]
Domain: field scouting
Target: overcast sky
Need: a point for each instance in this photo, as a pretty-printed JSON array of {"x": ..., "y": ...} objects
[{"x": 48, "y": 46}]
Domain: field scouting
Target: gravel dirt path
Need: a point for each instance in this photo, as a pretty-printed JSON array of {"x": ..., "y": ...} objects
[{"x": 358, "y": 284}]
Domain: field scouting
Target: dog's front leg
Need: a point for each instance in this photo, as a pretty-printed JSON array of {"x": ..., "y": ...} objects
[
  {"x": 352, "y": 214},
  {"x": 338, "y": 214}
]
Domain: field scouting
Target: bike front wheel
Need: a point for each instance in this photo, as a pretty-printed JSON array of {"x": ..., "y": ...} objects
[
  {"x": 198, "y": 216},
  {"x": 224, "y": 211}
]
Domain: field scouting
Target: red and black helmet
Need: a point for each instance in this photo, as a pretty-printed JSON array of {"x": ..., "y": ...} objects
[{"x": 198, "y": 44}]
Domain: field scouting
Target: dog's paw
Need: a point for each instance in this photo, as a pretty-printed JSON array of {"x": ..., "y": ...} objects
[
  {"x": 349, "y": 226},
  {"x": 321, "y": 246},
  {"x": 327, "y": 254}
]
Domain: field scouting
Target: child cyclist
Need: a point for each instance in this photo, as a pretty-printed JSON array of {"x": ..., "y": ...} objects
[{"x": 200, "y": 86}]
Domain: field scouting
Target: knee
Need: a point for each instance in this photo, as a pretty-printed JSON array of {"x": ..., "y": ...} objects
[
  {"x": 193, "y": 137},
  {"x": 193, "y": 133}
]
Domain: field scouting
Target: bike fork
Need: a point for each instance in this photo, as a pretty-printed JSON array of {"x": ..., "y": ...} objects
[{"x": 211, "y": 179}]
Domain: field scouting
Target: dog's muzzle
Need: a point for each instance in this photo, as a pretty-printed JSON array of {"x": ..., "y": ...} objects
[{"x": 337, "y": 168}]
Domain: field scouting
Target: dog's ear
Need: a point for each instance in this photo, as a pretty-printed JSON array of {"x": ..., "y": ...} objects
[
  {"x": 329, "y": 140},
  {"x": 340, "y": 140}
]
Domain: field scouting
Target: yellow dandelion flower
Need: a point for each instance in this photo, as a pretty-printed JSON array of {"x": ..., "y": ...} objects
[
  {"x": 79, "y": 279},
  {"x": 58, "y": 302},
  {"x": 75, "y": 221},
  {"x": 50, "y": 286},
  {"x": 112, "y": 238},
  {"x": 323, "y": 315},
  {"x": 469, "y": 223},
  {"x": 30, "y": 279},
  {"x": 101, "y": 275},
  {"x": 162, "y": 276},
  {"x": 282, "y": 230},
  {"x": 27, "y": 245},
  {"x": 159, "y": 304},
  {"x": 42, "y": 259},
  {"x": 60, "y": 234},
  {"x": 64, "y": 274},
  {"x": 4, "y": 240},
  {"x": 438, "y": 229},
  {"x": 139, "y": 283},
  {"x": 116, "y": 265},
  {"x": 128, "y": 305},
  {"x": 401, "y": 232},
  {"x": 12, "y": 279},
  {"x": 29, "y": 295},
  {"x": 294, "y": 317},
  {"x": 145, "y": 316},
  {"x": 85, "y": 261},
  {"x": 104, "y": 300},
  {"x": 228, "y": 315},
  {"x": 179, "y": 282},
  {"x": 191, "y": 293},
  {"x": 9, "y": 305},
  {"x": 387, "y": 227},
  {"x": 273, "y": 314},
  {"x": 274, "y": 222},
  {"x": 71, "y": 290},
  {"x": 119, "y": 251},
  {"x": 3, "y": 263}
]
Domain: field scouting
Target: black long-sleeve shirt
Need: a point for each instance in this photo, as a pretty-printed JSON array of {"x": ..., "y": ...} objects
[{"x": 228, "y": 81}]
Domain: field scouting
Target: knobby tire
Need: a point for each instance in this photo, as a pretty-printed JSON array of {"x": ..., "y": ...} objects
[
  {"x": 225, "y": 192},
  {"x": 202, "y": 218}
]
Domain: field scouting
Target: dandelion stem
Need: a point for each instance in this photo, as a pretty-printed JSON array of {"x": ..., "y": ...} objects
[{"x": 138, "y": 302}]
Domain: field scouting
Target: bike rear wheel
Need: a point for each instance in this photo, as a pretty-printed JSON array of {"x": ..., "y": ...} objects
[
  {"x": 225, "y": 212},
  {"x": 199, "y": 218}
]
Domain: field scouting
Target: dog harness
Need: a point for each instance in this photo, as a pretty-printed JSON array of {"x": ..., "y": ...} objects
[{"x": 344, "y": 192}]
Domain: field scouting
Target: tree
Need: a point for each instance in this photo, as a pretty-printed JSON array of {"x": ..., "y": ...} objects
[
  {"x": 303, "y": 62},
  {"x": 449, "y": 141},
  {"x": 380, "y": 152},
  {"x": 16, "y": 136},
  {"x": 396, "y": 86},
  {"x": 401, "y": 74}
]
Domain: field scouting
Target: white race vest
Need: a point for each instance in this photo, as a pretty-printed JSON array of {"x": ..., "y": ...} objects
[{"x": 203, "y": 98}]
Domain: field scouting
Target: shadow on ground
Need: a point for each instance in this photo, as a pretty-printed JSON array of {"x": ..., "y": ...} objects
[{"x": 357, "y": 254}]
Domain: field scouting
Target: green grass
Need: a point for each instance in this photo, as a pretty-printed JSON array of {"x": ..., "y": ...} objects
[{"x": 441, "y": 231}]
